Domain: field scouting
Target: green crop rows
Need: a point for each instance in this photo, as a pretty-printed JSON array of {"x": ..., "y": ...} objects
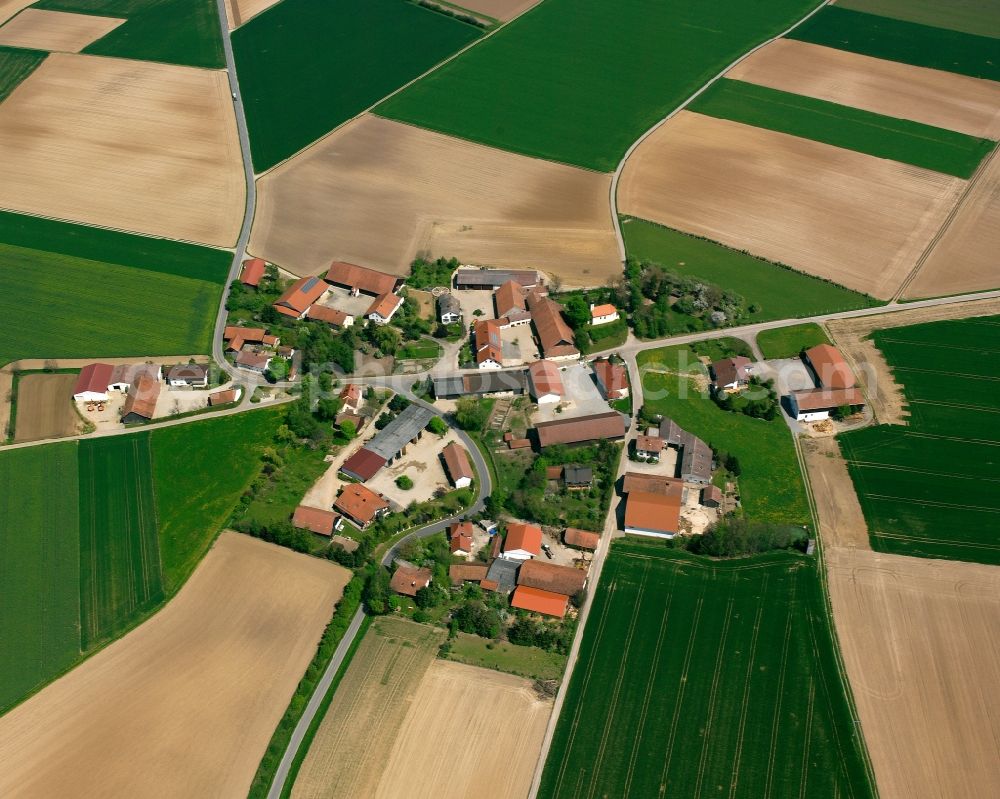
[
  {"x": 699, "y": 678},
  {"x": 932, "y": 488},
  {"x": 186, "y": 32},
  {"x": 842, "y": 126},
  {"x": 306, "y": 66},
  {"x": 780, "y": 292},
  {"x": 578, "y": 81},
  {"x": 897, "y": 40},
  {"x": 788, "y": 342},
  {"x": 15, "y": 66}
]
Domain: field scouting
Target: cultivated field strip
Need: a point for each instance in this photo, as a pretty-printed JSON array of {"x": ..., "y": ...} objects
[{"x": 720, "y": 674}]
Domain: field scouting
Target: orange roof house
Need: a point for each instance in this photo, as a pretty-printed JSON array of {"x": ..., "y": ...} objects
[
  {"x": 460, "y": 534},
  {"x": 548, "y": 576},
  {"x": 223, "y": 397},
  {"x": 612, "y": 379},
  {"x": 407, "y": 580},
  {"x": 546, "y": 382},
  {"x": 554, "y": 334},
  {"x": 252, "y": 272},
  {"x": 299, "y": 296},
  {"x": 331, "y": 316},
  {"x": 489, "y": 349},
  {"x": 599, "y": 314},
  {"x": 523, "y": 541},
  {"x": 315, "y": 520},
  {"x": 538, "y": 600},
  {"x": 384, "y": 307},
  {"x": 141, "y": 400},
  {"x": 510, "y": 302},
  {"x": 470, "y": 572},
  {"x": 356, "y": 279},
  {"x": 650, "y": 514},
  {"x": 829, "y": 367},
  {"x": 607, "y": 425},
  {"x": 581, "y": 539},
  {"x": 360, "y": 504},
  {"x": 456, "y": 461}
]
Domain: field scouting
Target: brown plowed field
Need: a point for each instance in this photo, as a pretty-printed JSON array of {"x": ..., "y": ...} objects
[
  {"x": 9, "y": 8},
  {"x": 185, "y": 704},
  {"x": 55, "y": 30},
  {"x": 239, "y": 12},
  {"x": 841, "y": 215},
  {"x": 468, "y": 732},
  {"x": 45, "y": 408},
  {"x": 943, "y": 99},
  {"x": 502, "y": 10},
  {"x": 145, "y": 147},
  {"x": 378, "y": 193},
  {"x": 965, "y": 258},
  {"x": 920, "y": 643},
  {"x": 841, "y": 521}
]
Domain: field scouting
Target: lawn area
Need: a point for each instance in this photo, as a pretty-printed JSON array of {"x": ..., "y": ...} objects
[
  {"x": 710, "y": 677},
  {"x": 525, "y": 661},
  {"x": 579, "y": 81},
  {"x": 39, "y": 567},
  {"x": 15, "y": 66},
  {"x": 842, "y": 126},
  {"x": 969, "y": 16},
  {"x": 771, "y": 485},
  {"x": 898, "y": 40},
  {"x": 788, "y": 342},
  {"x": 281, "y": 493},
  {"x": 779, "y": 292},
  {"x": 418, "y": 350},
  {"x": 119, "y": 557},
  {"x": 306, "y": 66},
  {"x": 192, "y": 508},
  {"x": 929, "y": 489},
  {"x": 184, "y": 32}
]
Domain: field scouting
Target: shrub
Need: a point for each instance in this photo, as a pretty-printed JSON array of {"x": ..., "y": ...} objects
[{"x": 404, "y": 482}]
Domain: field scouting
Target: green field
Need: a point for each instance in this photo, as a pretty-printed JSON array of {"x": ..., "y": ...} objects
[
  {"x": 930, "y": 488},
  {"x": 15, "y": 66},
  {"x": 191, "y": 508},
  {"x": 898, "y": 40},
  {"x": 701, "y": 678},
  {"x": 579, "y": 81},
  {"x": 39, "y": 567},
  {"x": 968, "y": 16},
  {"x": 119, "y": 556},
  {"x": 842, "y": 126},
  {"x": 306, "y": 66},
  {"x": 788, "y": 342},
  {"x": 525, "y": 661},
  {"x": 184, "y": 32},
  {"x": 771, "y": 485}
]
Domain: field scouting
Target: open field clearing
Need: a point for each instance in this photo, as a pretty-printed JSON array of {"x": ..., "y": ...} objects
[
  {"x": 844, "y": 216},
  {"x": 239, "y": 12},
  {"x": 377, "y": 192},
  {"x": 502, "y": 10},
  {"x": 918, "y": 640},
  {"x": 527, "y": 88},
  {"x": 897, "y": 40},
  {"x": 119, "y": 556},
  {"x": 942, "y": 99},
  {"x": 788, "y": 342},
  {"x": 40, "y": 577},
  {"x": 965, "y": 257},
  {"x": 929, "y": 489},
  {"x": 15, "y": 66},
  {"x": 184, "y": 32},
  {"x": 348, "y": 755},
  {"x": 55, "y": 30},
  {"x": 781, "y": 292},
  {"x": 135, "y": 146},
  {"x": 771, "y": 486},
  {"x": 468, "y": 732},
  {"x": 45, "y": 408},
  {"x": 843, "y": 126},
  {"x": 185, "y": 704},
  {"x": 706, "y": 678},
  {"x": 968, "y": 16},
  {"x": 286, "y": 58}
]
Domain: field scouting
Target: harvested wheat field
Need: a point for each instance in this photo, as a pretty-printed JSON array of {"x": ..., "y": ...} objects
[
  {"x": 378, "y": 193},
  {"x": 857, "y": 220},
  {"x": 240, "y": 12},
  {"x": 919, "y": 640},
  {"x": 885, "y": 395},
  {"x": 964, "y": 259},
  {"x": 45, "y": 407},
  {"x": 468, "y": 732},
  {"x": 55, "y": 30},
  {"x": 8, "y": 8},
  {"x": 841, "y": 521},
  {"x": 133, "y": 145},
  {"x": 185, "y": 704},
  {"x": 943, "y": 99},
  {"x": 502, "y": 10}
]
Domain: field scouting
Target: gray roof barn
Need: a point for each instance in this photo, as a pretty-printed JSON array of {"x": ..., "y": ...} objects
[
  {"x": 504, "y": 573},
  {"x": 400, "y": 432}
]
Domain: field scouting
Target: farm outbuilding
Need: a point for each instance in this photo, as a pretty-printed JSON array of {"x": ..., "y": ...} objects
[
  {"x": 538, "y": 600},
  {"x": 407, "y": 580},
  {"x": 581, "y": 539},
  {"x": 523, "y": 541},
  {"x": 357, "y": 279},
  {"x": 92, "y": 384},
  {"x": 492, "y": 279},
  {"x": 656, "y": 515},
  {"x": 456, "y": 461},
  {"x": 546, "y": 382},
  {"x": 253, "y": 272}
]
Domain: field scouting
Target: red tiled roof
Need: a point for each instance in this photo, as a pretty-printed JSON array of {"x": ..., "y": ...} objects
[
  {"x": 407, "y": 580},
  {"x": 488, "y": 344},
  {"x": 648, "y": 444},
  {"x": 817, "y": 399},
  {"x": 251, "y": 335},
  {"x": 363, "y": 464},
  {"x": 142, "y": 396},
  {"x": 385, "y": 305},
  {"x": 315, "y": 520},
  {"x": 222, "y": 397},
  {"x": 370, "y": 281},
  {"x": 581, "y": 428},
  {"x": 254, "y": 360},
  {"x": 360, "y": 503},
  {"x": 731, "y": 370},
  {"x": 456, "y": 459},
  {"x": 654, "y": 512},
  {"x": 351, "y": 395},
  {"x": 509, "y": 297},
  {"x": 548, "y": 576},
  {"x": 253, "y": 271},
  {"x": 460, "y": 535},
  {"x": 830, "y": 366},
  {"x": 554, "y": 334},
  {"x": 471, "y": 572},
  {"x": 603, "y": 310},
  {"x": 538, "y": 600},
  {"x": 523, "y": 536},
  {"x": 300, "y": 295},
  {"x": 322, "y": 313},
  {"x": 581, "y": 538},
  {"x": 94, "y": 377},
  {"x": 652, "y": 484},
  {"x": 545, "y": 378},
  {"x": 611, "y": 376}
]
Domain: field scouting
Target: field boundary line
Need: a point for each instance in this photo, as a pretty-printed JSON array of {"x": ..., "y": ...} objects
[
  {"x": 615, "y": 218},
  {"x": 810, "y": 708}
]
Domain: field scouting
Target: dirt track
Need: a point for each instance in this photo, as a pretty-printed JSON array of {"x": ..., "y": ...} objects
[
  {"x": 55, "y": 30},
  {"x": 185, "y": 704},
  {"x": 920, "y": 642},
  {"x": 45, "y": 408},
  {"x": 943, "y": 99},
  {"x": 378, "y": 193},
  {"x": 145, "y": 147},
  {"x": 845, "y": 216}
]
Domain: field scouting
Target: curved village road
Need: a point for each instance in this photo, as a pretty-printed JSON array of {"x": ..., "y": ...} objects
[{"x": 323, "y": 686}]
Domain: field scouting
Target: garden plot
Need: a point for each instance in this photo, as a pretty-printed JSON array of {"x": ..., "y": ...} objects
[
  {"x": 855, "y": 219},
  {"x": 943, "y": 99},
  {"x": 45, "y": 408},
  {"x": 379, "y": 193},
  {"x": 137, "y": 146},
  {"x": 55, "y": 30}
]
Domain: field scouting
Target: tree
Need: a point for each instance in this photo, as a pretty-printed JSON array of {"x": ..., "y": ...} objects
[
  {"x": 327, "y": 409},
  {"x": 470, "y": 413},
  {"x": 577, "y": 312},
  {"x": 398, "y": 403},
  {"x": 348, "y": 429},
  {"x": 476, "y": 618},
  {"x": 437, "y": 426},
  {"x": 404, "y": 482},
  {"x": 377, "y": 592}
]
